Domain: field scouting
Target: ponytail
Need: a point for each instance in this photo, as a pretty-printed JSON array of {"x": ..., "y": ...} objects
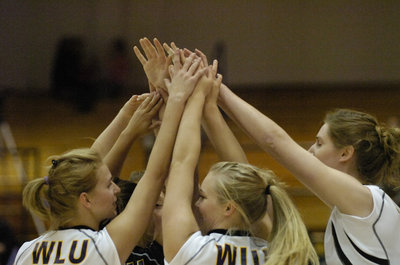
[
  {"x": 250, "y": 188},
  {"x": 54, "y": 198},
  {"x": 33, "y": 199},
  {"x": 289, "y": 242}
]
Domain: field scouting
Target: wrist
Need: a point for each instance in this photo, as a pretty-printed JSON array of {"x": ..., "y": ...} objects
[
  {"x": 125, "y": 113},
  {"x": 129, "y": 135},
  {"x": 128, "y": 109},
  {"x": 179, "y": 97},
  {"x": 210, "y": 112},
  {"x": 210, "y": 106},
  {"x": 199, "y": 95},
  {"x": 159, "y": 86},
  {"x": 222, "y": 94}
]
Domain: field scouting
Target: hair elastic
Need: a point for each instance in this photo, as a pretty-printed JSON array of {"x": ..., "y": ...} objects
[
  {"x": 267, "y": 190},
  {"x": 54, "y": 162}
]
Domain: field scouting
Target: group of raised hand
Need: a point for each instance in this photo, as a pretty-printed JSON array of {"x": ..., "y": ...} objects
[{"x": 174, "y": 71}]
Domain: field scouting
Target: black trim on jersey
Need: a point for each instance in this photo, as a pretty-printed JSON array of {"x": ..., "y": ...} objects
[
  {"x": 376, "y": 234},
  {"x": 339, "y": 250},
  {"x": 229, "y": 233},
  {"x": 367, "y": 256},
  {"x": 77, "y": 227}
]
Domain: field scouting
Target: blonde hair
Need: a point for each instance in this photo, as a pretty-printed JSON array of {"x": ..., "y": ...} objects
[
  {"x": 377, "y": 147},
  {"x": 54, "y": 197},
  {"x": 248, "y": 187}
]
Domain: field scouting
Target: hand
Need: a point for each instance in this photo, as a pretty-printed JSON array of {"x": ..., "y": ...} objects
[
  {"x": 183, "y": 77},
  {"x": 204, "y": 61},
  {"x": 186, "y": 53},
  {"x": 171, "y": 50},
  {"x": 155, "y": 63},
  {"x": 209, "y": 83},
  {"x": 141, "y": 121},
  {"x": 212, "y": 97},
  {"x": 132, "y": 104}
]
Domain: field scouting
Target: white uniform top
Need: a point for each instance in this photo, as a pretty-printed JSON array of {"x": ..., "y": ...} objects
[
  {"x": 374, "y": 239},
  {"x": 218, "y": 248},
  {"x": 78, "y": 245}
]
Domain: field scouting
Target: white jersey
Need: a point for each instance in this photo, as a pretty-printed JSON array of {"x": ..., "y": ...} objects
[
  {"x": 217, "y": 248},
  {"x": 374, "y": 239},
  {"x": 80, "y": 245}
]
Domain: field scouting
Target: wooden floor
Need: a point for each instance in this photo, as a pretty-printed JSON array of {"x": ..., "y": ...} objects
[{"x": 48, "y": 127}]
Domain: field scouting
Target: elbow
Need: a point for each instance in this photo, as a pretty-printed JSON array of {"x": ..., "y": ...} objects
[{"x": 273, "y": 139}]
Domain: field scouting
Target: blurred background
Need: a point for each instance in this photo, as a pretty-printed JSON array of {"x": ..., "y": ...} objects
[{"x": 66, "y": 67}]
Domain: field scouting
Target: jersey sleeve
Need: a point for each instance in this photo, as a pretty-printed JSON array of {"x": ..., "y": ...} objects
[
  {"x": 106, "y": 246},
  {"x": 191, "y": 251}
]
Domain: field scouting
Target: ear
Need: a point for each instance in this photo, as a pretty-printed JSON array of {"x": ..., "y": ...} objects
[
  {"x": 84, "y": 199},
  {"x": 347, "y": 153},
  {"x": 230, "y": 208}
]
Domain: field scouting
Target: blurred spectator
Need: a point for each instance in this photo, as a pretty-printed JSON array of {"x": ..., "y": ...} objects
[
  {"x": 72, "y": 76},
  {"x": 8, "y": 243},
  {"x": 117, "y": 68},
  {"x": 219, "y": 52}
]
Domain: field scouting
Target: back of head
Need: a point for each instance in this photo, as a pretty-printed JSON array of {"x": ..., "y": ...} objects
[
  {"x": 377, "y": 147},
  {"x": 249, "y": 187},
  {"x": 54, "y": 197},
  {"x": 244, "y": 185},
  {"x": 127, "y": 188}
]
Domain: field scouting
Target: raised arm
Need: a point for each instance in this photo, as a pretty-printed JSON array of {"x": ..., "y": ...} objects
[
  {"x": 220, "y": 135},
  {"x": 139, "y": 124},
  {"x": 128, "y": 227},
  {"x": 334, "y": 187},
  {"x": 178, "y": 218},
  {"x": 105, "y": 141}
]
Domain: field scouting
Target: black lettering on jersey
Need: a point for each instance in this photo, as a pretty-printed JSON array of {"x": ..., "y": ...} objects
[
  {"x": 82, "y": 256},
  {"x": 58, "y": 259},
  {"x": 42, "y": 250},
  {"x": 243, "y": 256},
  {"x": 226, "y": 253},
  {"x": 256, "y": 260}
]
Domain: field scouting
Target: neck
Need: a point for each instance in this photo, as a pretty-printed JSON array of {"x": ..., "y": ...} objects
[
  {"x": 351, "y": 169},
  {"x": 83, "y": 217},
  {"x": 232, "y": 222},
  {"x": 82, "y": 222}
]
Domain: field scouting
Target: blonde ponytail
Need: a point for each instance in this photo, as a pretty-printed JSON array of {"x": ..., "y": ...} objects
[{"x": 289, "y": 242}]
